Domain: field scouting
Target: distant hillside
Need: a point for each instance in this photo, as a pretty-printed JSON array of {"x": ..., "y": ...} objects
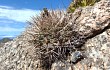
[{"x": 4, "y": 40}]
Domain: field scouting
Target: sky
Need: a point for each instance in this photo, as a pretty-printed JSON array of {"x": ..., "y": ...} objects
[{"x": 15, "y": 13}]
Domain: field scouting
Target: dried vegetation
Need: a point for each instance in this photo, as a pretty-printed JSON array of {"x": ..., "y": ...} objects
[{"x": 54, "y": 36}]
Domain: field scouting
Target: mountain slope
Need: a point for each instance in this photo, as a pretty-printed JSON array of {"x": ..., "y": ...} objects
[{"x": 90, "y": 42}]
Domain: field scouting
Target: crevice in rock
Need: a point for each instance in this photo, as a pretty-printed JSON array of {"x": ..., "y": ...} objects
[
  {"x": 97, "y": 32},
  {"x": 94, "y": 33}
]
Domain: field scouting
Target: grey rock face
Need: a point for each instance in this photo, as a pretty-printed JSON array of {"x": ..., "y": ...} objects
[
  {"x": 96, "y": 48},
  {"x": 76, "y": 56}
]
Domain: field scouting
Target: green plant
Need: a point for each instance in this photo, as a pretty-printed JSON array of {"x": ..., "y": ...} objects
[{"x": 80, "y": 3}]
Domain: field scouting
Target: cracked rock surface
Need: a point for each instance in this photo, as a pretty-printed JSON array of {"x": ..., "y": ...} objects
[{"x": 95, "y": 24}]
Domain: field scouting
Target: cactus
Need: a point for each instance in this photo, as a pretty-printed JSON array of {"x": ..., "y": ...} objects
[
  {"x": 54, "y": 33},
  {"x": 53, "y": 36}
]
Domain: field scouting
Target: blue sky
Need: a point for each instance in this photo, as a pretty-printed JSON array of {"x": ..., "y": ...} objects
[{"x": 15, "y": 13}]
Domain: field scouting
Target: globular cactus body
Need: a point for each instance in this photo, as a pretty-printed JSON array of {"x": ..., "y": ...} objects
[{"x": 54, "y": 36}]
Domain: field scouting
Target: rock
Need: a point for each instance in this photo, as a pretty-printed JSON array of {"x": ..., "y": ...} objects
[
  {"x": 76, "y": 56},
  {"x": 92, "y": 34}
]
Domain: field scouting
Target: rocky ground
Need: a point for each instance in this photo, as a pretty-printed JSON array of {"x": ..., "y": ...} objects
[{"x": 94, "y": 22}]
